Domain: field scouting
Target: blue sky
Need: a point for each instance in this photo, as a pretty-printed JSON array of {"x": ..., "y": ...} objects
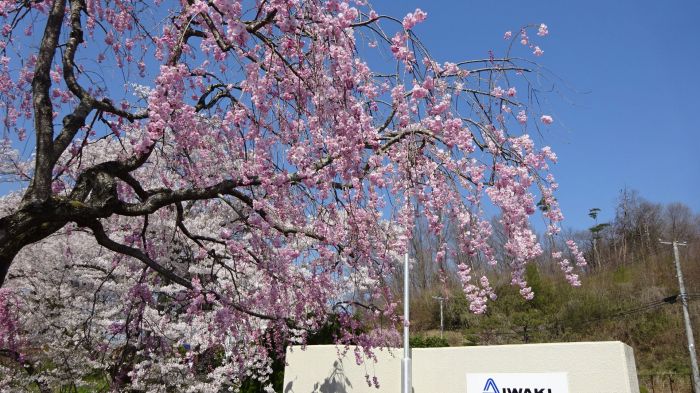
[{"x": 625, "y": 115}]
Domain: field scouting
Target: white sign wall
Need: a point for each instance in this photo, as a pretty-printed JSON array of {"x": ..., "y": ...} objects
[{"x": 593, "y": 367}]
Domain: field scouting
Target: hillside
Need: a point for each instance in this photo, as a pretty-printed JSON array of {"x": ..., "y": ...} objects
[{"x": 629, "y": 293}]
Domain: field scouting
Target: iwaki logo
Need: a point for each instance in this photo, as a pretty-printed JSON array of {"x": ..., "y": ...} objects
[
  {"x": 527, "y": 390},
  {"x": 518, "y": 383},
  {"x": 490, "y": 386}
]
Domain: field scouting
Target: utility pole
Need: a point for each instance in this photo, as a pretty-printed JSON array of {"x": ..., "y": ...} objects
[
  {"x": 406, "y": 386},
  {"x": 442, "y": 325},
  {"x": 686, "y": 315}
]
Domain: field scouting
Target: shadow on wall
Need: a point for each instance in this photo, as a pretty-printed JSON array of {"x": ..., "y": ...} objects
[{"x": 337, "y": 382}]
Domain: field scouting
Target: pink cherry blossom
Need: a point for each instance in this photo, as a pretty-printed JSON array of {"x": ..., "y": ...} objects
[
  {"x": 497, "y": 92},
  {"x": 522, "y": 117},
  {"x": 413, "y": 18}
]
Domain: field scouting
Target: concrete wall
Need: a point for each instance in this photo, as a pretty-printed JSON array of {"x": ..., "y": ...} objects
[{"x": 591, "y": 367}]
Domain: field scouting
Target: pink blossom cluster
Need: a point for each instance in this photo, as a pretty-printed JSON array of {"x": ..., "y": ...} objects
[
  {"x": 522, "y": 117},
  {"x": 566, "y": 267},
  {"x": 400, "y": 49},
  {"x": 577, "y": 254},
  {"x": 413, "y": 18},
  {"x": 497, "y": 92},
  {"x": 477, "y": 296},
  {"x": 10, "y": 331},
  {"x": 525, "y": 40}
]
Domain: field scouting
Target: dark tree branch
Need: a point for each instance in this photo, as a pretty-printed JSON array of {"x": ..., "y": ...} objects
[
  {"x": 162, "y": 198},
  {"x": 40, "y": 187},
  {"x": 104, "y": 240},
  {"x": 74, "y": 121}
]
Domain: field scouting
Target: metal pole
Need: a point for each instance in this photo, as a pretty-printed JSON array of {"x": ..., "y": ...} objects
[
  {"x": 442, "y": 324},
  {"x": 686, "y": 317},
  {"x": 406, "y": 361}
]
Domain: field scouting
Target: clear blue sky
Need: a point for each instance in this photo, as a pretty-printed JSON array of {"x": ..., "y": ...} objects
[{"x": 628, "y": 111}]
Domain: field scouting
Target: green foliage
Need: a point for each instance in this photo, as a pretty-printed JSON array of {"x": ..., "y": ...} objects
[
  {"x": 327, "y": 334},
  {"x": 522, "y": 315},
  {"x": 543, "y": 205},
  {"x": 621, "y": 275},
  {"x": 593, "y": 213},
  {"x": 650, "y": 325},
  {"x": 420, "y": 341},
  {"x": 98, "y": 381},
  {"x": 597, "y": 228},
  {"x": 612, "y": 304}
]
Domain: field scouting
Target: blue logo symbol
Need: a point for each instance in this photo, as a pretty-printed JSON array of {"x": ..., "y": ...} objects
[{"x": 490, "y": 386}]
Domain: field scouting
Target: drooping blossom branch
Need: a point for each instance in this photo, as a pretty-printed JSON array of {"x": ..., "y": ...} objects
[{"x": 210, "y": 180}]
